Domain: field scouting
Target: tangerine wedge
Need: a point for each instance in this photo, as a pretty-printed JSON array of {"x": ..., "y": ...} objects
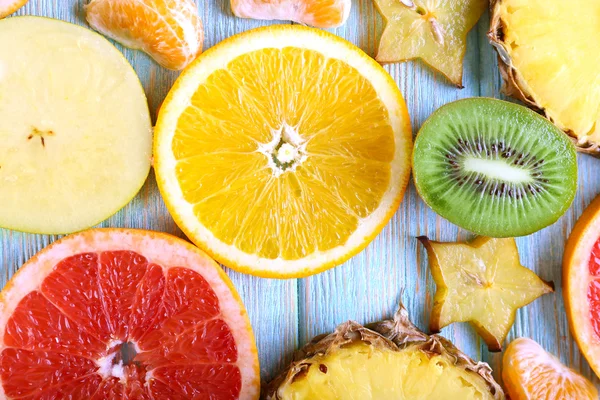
[
  {"x": 170, "y": 31},
  {"x": 124, "y": 314},
  {"x": 531, "y": 373},
  {"x": 317, "y": 13},
  {"x": 581, "y": 277}
]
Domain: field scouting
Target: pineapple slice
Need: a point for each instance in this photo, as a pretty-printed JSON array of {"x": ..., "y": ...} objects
[
  {"x": 390, "y": 360},
  {"x": 481, "y": 282},
  {"x": 432, "y": 30},
  {"x": 549, "y": 59}
]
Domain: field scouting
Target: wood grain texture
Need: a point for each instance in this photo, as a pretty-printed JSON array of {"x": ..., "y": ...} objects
[{"x": 286, "y": 314}]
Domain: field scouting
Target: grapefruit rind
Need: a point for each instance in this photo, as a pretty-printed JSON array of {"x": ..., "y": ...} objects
[
  {"x": 577, "y": 278},
  {"x": 160, "y": 248},
  {"x": 8, "y": 7},
  {"x": 217, "y": 57}
]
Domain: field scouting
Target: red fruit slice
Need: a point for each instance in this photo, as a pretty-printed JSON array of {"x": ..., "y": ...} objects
[
  {"x": 127, "y": 314},
  {"x": 581, "y": 276}
]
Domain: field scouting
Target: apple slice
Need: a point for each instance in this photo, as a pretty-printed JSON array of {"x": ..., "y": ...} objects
[
  {"x": 434, "y": 31},
  {"x": 74, "y": 126},
  {"x": 481, "y": 282}
]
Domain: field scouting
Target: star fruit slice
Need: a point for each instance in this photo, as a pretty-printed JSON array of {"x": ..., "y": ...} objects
[
  {"x": 432, "y": 30},
  {"x": 481, "y": 282}
]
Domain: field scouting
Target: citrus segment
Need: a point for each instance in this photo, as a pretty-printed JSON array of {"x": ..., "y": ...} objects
[
  {"x": 170, "y": 31},
  {"x": 581, "y": 274},
  {"x": 74, "y": 126},
  {"x": 317, "y": 13},
  {"x": 124, "y": 314},
  {"x": 282, "y": 151},
  {"x": 8, "y": 7},
  {"x": 529, "y": 372}
]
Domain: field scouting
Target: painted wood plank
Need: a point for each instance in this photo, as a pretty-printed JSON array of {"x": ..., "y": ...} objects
[{"x": 287, "y": 313}]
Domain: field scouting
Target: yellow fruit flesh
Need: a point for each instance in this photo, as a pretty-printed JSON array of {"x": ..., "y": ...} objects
[
  {"x": 553, "y": 46},
  {"x": 482, "y": 282},
  {"x": 364, "y": 372},
  {"x": 411, "y": 33},
  {"x": 75, "y": 128},
  {"x": 227, "y": 150}
]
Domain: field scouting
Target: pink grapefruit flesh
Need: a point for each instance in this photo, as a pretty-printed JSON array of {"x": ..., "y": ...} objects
[{"x": 126, "y": 314}]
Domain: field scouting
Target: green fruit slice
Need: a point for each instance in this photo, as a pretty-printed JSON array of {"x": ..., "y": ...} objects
[
  {"x": 494, "y": 168},
  {"x": 75, "y": 129}
]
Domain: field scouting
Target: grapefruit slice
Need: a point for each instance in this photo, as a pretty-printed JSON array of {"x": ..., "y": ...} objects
[
  {"x": 74, "y": 126},
  {"x": 8, "y": 7},
  {"x": 127, "y": 314},
  {"x": 283, "y": 151},
  {"x": 581, "y": 277}
]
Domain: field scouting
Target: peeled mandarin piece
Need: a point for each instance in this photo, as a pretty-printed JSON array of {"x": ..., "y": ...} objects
[
  {"x": 481, "y": 282},
  {"x": 8, "y": 7},
  {"x": 170, "y": 31},
  {"x": 432, "y": 30},
  {"x": 317, "y": 13},
  {"x": 529, "y": 372},
  {"x": 124, "y": 314},
  {"x": 74, "y": 126},
  {"x": 283, "y": 151}
]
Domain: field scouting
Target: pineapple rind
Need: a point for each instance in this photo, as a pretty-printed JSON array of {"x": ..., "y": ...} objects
[
  {"x": 395, "y": 335},
  {"x": 515, "y": 85}
]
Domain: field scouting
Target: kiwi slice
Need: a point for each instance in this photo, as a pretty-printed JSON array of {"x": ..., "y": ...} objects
[{"x": 494, "y": 168}]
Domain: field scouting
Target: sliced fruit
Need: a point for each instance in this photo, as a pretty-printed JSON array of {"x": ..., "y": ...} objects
[
  {"x": 494, "y": 168},
  {"x": 283, "y": 151},
  {"x": 581, "y": 277},
  {"x": 8, "y": 7},
  {"x": 74, "y": 126},
  {"x": 529, "y": 372},
  {"x": 170, "y": 31},
  {"x": 549, "y": 59},
  {"x": 481, "y": 282},
  {"x": 317, "y": 13},
  {"x": 434, "y": 31},
  {"x": 390, "y": 359},
  {"x": 127, "y": 314}
]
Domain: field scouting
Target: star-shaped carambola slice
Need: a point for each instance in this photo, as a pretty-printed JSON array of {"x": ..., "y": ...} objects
[
  {"x": 432, "y": 30},
  {"x": 481, "y": 282}
]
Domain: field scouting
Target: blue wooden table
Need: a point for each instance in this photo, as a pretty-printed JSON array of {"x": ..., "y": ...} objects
[{"x": 286, "y": 314}]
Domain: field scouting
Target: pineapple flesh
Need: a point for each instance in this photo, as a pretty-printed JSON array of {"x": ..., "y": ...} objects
[
  {"x": 389, "y": 360},
  {"x": 549, "y": 52}
]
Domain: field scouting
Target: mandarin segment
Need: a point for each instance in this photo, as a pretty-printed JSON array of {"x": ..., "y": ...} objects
[
  {"x": 8, "y": 7},
  {"x": 317, "y": 13},
  {"x": 529, "y": 372},
  {"x": 170, "y": 31}
]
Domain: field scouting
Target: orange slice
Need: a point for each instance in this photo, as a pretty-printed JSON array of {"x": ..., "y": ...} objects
[
  {"x": 530, "y": 373},
  {"x": 581, "y": 277},
  {"x": 170, "y": 31},
  {"x": 127, "y": 314},
  {"x": 8, "y": 7},
  {"x": 283, "y": 151},
  {"x": 317, "y": 13}
]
